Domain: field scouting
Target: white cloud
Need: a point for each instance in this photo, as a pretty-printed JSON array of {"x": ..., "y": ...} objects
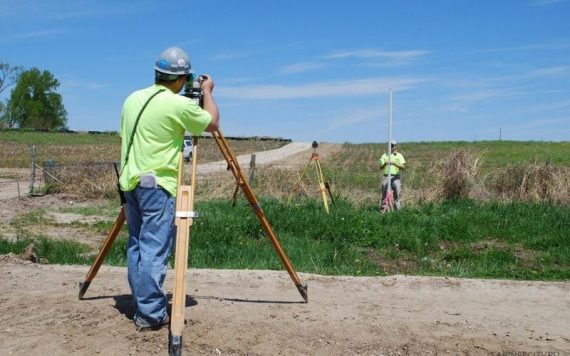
[
  {"x": 546, "y": 123},
  {"x": 355, "y": 117},
  {"x": 389, "y": 58},
  {"x": 229, "y": 56},
  {"x": 485, "y": 94},
  {"x": 550, "y": 71},
  {"x": 300, "y": 67},
  {"x": 39, "y": 10},
  {"x": 370, "y": 53},
  {"x": 544, "y": 2},
  {"x": 492, "y": 86},
  {"x": 548, "y": 45},
  {"x": 543, "y": 107},
  {"x": 552, "y": 129},
  {"x": 74, "y": 85},
  {"x": 30, "y": 35},
  {"x": 321, "y": 89}
]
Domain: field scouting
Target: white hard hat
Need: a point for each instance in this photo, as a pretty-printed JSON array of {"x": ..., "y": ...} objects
[
  {"x": 393, "y": 142},
  {"x": 173, "y": 62}
]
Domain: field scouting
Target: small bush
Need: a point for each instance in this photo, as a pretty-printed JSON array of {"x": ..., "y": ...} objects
[{"x": 458, "y": 175}]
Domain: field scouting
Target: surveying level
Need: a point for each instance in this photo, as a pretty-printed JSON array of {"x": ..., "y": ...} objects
[
  {"x": 184, "y": 218},
  {"x": 323, "y": 183}
]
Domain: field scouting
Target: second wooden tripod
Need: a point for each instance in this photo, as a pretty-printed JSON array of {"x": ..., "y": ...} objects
[{"x": 324, "y": 185}]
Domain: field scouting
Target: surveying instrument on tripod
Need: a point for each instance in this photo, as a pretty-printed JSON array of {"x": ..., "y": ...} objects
[
  {"x": 324, "y": 185},
  {"x": 184, "y": 217}
]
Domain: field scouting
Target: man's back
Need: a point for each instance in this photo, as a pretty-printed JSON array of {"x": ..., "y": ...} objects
[{"x": 159, "y": 135}]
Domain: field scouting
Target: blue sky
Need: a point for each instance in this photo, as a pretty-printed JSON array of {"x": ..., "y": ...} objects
[{"x": 315, "y": 70}]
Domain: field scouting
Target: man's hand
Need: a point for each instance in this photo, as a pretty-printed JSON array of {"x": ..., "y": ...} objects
[{"x": 206, "y": 83}]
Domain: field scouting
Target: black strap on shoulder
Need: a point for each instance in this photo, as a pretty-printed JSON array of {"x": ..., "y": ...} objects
[{"x": 135, "y": 127}]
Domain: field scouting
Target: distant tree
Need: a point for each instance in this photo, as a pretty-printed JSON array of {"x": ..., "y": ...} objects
[
  {"x": 34, "y": 103},
  {"x": 8, "y": 75}
]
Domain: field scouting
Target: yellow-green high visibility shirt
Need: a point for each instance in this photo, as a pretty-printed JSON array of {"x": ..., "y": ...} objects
[
  {"x": 159, "y": 136},
  {"x": 392, "y": 169}
]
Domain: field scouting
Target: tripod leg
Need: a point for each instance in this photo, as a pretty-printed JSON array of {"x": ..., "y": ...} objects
[
  {"x": 238, "y": 174},
  {"x": 184, "y": 219},
  {"x": 300, "y": 180},
  {"x": 103, "y": 252},
  {"x": 329, "y": 191},
  {"x": 322, "y": 187},
  {"x": 183, "y": 204},
  {"x": 327, "y": 185}
]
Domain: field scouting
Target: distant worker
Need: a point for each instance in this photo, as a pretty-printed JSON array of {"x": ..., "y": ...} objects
[
  {"x": 153, "y": 124},
  {"x": 392, "y": 166}
]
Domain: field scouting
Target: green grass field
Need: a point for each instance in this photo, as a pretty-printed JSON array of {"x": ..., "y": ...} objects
[
  {"x": 457, "y": 238},
  {"x": 493, "y": 153},
  {"x": 518, "y": 233}
]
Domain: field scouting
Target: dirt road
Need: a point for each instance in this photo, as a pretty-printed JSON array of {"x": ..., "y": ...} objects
[
  {"x": 261, "y": 313},
  {"x": 14, "y": 182}
]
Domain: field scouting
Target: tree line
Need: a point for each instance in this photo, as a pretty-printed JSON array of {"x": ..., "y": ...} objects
[{"x": 33, "y": 102}]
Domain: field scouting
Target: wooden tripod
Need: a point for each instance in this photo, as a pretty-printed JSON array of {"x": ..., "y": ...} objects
[
  {"x": 184, "y": 219},
  {"x": 324, "y": 186}
]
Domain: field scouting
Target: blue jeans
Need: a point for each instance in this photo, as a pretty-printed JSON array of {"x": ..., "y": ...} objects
[{"x": 150, "y": 219}]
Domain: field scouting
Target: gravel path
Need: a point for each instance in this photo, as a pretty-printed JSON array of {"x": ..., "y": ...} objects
[{"x": 263, "y": 157}]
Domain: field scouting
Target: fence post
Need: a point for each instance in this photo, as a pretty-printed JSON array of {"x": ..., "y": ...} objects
[
  {"x": 251, "y": 168},
  {"x": 33, "y": 171}
]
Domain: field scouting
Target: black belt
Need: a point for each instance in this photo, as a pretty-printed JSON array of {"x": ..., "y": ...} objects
[{"x": 394, "y": 176}]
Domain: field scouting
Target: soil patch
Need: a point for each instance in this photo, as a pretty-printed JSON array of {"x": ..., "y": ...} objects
[{"x": 233, "y": 312}]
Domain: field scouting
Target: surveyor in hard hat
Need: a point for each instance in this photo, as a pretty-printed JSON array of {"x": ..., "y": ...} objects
[
  {"x": 392, "y": 166},
  {"x": 153, "y": 123}
]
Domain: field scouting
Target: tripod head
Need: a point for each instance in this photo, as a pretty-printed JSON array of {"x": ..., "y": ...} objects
[{"x": 315, "y": 145}]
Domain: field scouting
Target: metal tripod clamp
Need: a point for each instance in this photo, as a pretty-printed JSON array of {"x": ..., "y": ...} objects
[{"x": 186, "y": 214}]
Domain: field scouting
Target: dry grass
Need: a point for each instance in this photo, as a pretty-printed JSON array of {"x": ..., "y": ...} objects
[
  {"x": 88, "y": 181},
  {"x": 20, "y": 155},
  {"x": 457, "y": 175},
  {"x": 533, "y": 182},
  {"x": 268, "y": 181},
  {"x": 17, "y": 154}
]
